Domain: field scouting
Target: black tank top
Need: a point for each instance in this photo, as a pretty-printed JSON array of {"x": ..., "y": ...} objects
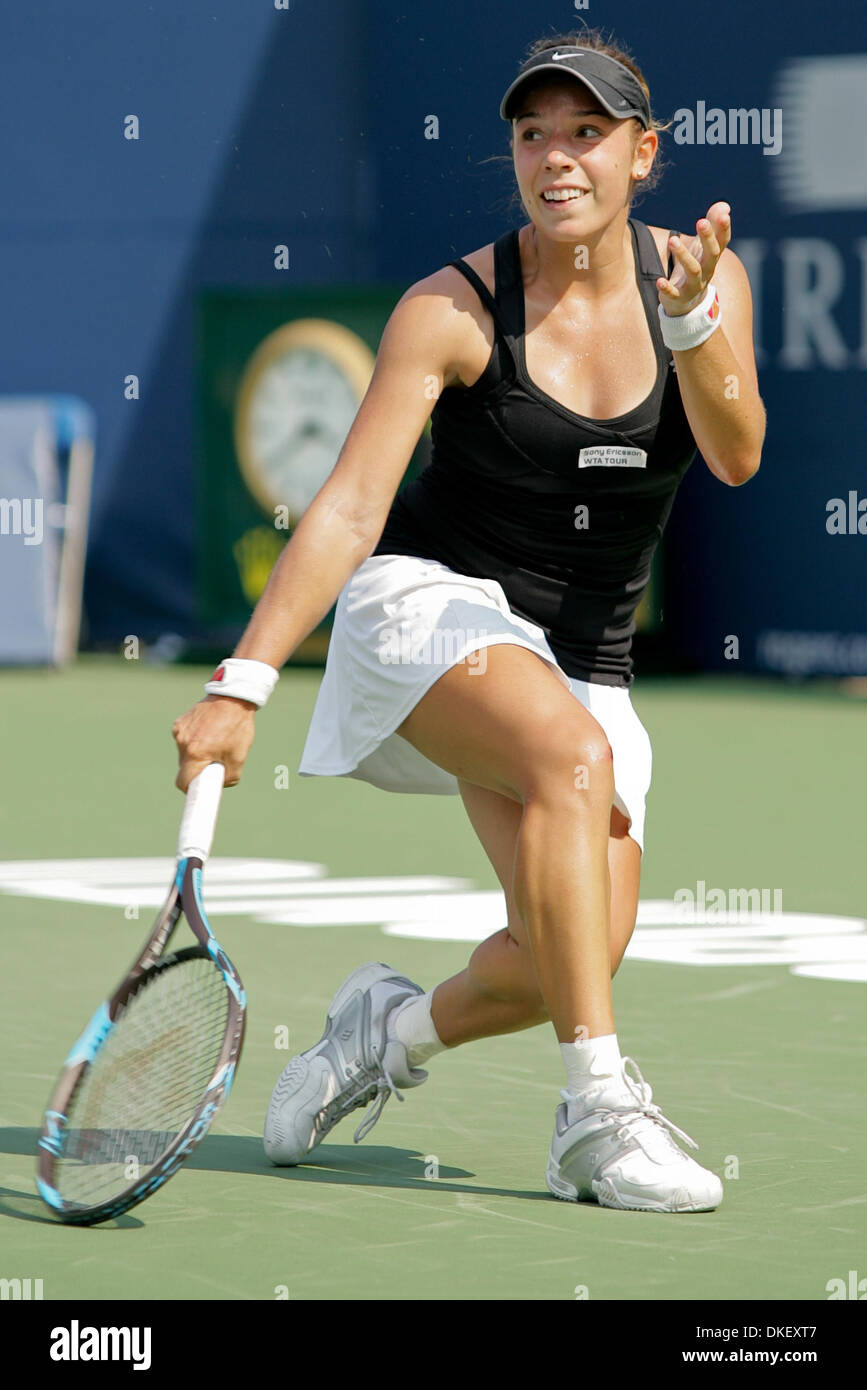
[{"x": 564, "y": 511}]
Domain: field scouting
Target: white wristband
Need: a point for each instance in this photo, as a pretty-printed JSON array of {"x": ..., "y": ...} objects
[
  {"x": 243, "y": 680},
  {"x": 688, "y": 330}
]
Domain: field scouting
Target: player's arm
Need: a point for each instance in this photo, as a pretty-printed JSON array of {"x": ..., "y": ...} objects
[
  {"x": 343, "y": 523},
  {"x": 345, "y": 519},
  {"x": 717, "y": 380}
]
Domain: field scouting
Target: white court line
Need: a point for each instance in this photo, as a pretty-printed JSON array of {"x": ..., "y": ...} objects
[{"x": 282, "y": 892}]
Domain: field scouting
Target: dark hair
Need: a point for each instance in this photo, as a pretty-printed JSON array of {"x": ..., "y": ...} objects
[{"x": 596, "y": 39}]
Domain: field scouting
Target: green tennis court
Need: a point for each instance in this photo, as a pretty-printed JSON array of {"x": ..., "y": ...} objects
[{"x": 756, "y": 786}]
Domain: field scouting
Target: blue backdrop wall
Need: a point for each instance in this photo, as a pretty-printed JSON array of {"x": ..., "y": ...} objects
[{"x": 306, "y": 126}]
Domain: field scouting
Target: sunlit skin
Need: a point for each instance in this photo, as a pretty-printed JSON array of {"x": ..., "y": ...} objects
[{"x": 560, "y": 134}]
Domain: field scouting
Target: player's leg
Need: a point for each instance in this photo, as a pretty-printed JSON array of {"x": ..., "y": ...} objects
[
  {"x": 515, "y": 729},
  {"x": 624, "y": 866},
  {"x": 496, "y": 819},
  {"x": 610, "y": 1142},
  {"x": 498, "y": 992}
]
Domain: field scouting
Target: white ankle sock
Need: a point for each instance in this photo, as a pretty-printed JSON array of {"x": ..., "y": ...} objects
[
  {"x": 589, "y": 1060},
  {"x": 413, "y": 1025}
]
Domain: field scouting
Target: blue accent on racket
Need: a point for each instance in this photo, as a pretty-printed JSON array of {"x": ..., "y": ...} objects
[{"x": 91, "y": 1040}]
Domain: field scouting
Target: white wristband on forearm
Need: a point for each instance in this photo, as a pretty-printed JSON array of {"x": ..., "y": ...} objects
[
  {"x": 243, "y": 680},
  {"x": 689, "y": 330}
]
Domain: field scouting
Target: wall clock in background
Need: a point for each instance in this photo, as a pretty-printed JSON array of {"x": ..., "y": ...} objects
[{"x": 296, "y": 403}]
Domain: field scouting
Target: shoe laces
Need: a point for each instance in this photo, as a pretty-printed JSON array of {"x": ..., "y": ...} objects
[
  {"x": 646, "y": 1111},
  {"x": 365, "y": 1086},
  {"x": 384, "y": 1088}
]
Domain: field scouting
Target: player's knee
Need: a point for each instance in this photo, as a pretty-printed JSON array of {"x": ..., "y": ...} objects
[{"x": 572, "y": 759}]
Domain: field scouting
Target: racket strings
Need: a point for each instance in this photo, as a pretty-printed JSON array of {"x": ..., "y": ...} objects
[{"x": 146, "y": 1082}]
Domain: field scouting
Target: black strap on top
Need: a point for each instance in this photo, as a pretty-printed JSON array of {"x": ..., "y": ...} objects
[
  {"x": 479, "y": 286},
  {"x": 650, "y": 266},
  {"x": 506, "y": 307},
  {"x": 649, "y": 271}
]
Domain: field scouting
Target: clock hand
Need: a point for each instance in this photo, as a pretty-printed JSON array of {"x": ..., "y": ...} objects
[{"x": 291, "y": 438}]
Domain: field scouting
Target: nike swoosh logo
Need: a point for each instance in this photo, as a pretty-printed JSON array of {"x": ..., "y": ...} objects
[{"x": 567, "y": 55}]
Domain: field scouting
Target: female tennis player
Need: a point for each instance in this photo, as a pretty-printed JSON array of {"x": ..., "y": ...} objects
[{"x": 481, "y": 641}]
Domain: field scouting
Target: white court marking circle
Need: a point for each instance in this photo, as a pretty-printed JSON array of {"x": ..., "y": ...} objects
[{"x": 284, "y": 892}]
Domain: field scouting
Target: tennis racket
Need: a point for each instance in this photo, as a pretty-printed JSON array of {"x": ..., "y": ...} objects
[{"x": 142, "y": 1084}]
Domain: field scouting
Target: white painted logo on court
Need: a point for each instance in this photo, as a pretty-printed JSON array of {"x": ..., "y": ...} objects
[{"x": 286, "y": 892}]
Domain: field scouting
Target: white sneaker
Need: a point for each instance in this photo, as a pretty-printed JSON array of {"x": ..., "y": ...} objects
[
  {"x": 356, "y": 1059},
  {"x": 612, "y": 1145}
]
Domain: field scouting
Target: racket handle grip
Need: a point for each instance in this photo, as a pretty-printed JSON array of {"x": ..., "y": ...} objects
[{"x": 200, "y": 812}]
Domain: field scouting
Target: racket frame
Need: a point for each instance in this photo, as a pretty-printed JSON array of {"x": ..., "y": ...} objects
[{"x": 185, "y": 896}]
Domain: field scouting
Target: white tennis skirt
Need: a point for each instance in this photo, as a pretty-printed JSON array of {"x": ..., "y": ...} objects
[{"x": 399, "y": 624}]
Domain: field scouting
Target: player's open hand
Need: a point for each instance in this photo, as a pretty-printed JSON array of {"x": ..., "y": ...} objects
[
  {"x": 218, "y": 729},
  {"x": 695, "y": 265}
]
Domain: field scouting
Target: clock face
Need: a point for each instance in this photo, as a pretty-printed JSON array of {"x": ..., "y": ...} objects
[
  {"x": 300, "y": 414},
  {"x": 297, "y": 403}
]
